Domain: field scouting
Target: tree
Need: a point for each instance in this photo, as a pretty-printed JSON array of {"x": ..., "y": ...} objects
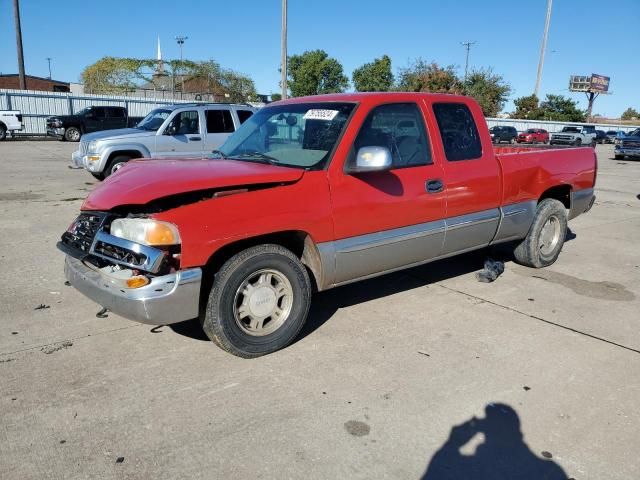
[
  {"x": 421, "y": 76},
  {"x": 630, "y": 114},
  {"x": 527, "y": 107},
  {"x": 374, "y": 77},
  {"x": 489, "y": 89},
  {"x": 560, "y": 108},
  {"x": 115, "y": 75},
  {"x": 314, "y": 73}
]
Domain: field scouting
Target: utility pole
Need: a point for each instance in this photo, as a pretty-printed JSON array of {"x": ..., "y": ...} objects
[
  {"x": 181, "y": 39},
  {"x": 16, "y": 14},
  {"x": 49, "y": 62},
  {"x": 543, "y": 48},
  {"x": 283, "y": 61},
  {"x": 467, "y": 45}
]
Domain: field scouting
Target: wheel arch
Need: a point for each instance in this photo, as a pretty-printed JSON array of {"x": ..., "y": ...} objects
[{"x": 561, "y": 193}]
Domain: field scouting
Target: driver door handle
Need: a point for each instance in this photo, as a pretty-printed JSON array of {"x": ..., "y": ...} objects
[
  {"x": 194, "y": 139},
  {"x": 434, "y": 186}
]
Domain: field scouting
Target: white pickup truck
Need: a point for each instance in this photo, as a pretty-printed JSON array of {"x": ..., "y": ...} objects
[
  {"x": 578, "y": 135},
  {"x": 10, "y": 121}
]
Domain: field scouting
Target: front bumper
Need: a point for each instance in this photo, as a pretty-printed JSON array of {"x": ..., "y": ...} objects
[
  {"x": 165, "y": 300},
  {"x": 55, "y": 132},
  {"x": 562, "y": 141},
  {"x": 629, "y": 152}
]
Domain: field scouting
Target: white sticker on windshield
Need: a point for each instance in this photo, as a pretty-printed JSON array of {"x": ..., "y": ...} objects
[{"x": 320, "y": 114}]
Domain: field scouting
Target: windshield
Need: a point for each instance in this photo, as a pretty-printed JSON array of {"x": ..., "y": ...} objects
[
  {"x": 635, "y": 133},
  {"x": 531, "y": 130},
  {"x": 571, "y": 129},
  {"x": 153, "y": 120},
  {"x": 84, "y": 111},
  {"x": 299, "y": 135}
]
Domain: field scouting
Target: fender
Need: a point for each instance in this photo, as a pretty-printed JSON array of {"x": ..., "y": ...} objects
[{"x": 127, "y": 147}]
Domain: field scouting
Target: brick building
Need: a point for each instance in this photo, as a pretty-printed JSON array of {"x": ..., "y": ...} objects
[{"x": 12, "y": 81}]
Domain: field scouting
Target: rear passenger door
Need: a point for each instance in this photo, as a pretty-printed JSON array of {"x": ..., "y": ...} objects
[
  {"x": 471, "y": 177},
  {"x": 115, "y": 118},
  {"x": 219, "y": 125}
]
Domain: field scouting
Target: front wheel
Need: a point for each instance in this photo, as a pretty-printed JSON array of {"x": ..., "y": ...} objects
[
  {"x": 619, "y": 157},
  {"x": 259, "y": 301},
  {"x": 116, "y": 164},
  {"x": 3, "y": 133},
  {"x": 542, "y": 245},
  {"x": 577, "y": 142}
]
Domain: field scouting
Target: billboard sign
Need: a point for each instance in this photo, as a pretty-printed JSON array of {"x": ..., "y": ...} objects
[{"x": 599, "y": 83}]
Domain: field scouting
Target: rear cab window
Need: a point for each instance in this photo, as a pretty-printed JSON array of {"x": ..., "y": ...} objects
[{"x": 458, "y": 131}]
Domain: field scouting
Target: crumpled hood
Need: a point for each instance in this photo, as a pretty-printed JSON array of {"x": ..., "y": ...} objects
[
  {"x": 141, "y": 181},
  {"x": 119, "y": 133}
]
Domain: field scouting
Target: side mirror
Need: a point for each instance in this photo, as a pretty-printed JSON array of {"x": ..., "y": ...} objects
[{"x": 371, "y": 159}]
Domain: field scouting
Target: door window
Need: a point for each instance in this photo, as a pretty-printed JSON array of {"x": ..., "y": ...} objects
[
  {"x": 244, "y": 115},
  {"x": 115, "y": 112},
  {"x": 400, "y": 128},
  {"x": 185, "y": 123},
  {"x": 458, "y": 131},
  {"x": 219, "y": 121}
]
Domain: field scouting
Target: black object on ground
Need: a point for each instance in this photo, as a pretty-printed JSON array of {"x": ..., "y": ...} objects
[
  {"x": 42, "y": 306},
  {"x": 120, "y": 460},
  {"x": 492, "y": 270},
  {"x": 102, "y": 313}
]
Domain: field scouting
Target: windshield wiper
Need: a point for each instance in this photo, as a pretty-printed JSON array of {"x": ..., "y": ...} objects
[
  {"x": 260, "y": 156},
  {"x": 219, "y": 152}
]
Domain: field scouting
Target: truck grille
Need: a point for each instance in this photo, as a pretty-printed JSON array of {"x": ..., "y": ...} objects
[
  {"x": 631, "y": 143},
  {"x": 562, "y": 137},
  {"x": 81, "y": 233}
]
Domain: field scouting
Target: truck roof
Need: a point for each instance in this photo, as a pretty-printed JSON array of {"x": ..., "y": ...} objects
[
  {"x": 203, "y": 104},
  {"x": 372, "y": 96}
]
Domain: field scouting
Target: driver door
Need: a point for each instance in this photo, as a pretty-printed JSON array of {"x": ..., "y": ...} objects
[{"x": 182, "y": 137}]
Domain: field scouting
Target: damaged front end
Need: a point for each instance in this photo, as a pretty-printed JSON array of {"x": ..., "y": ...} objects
[{"x": 131, "y": 266}]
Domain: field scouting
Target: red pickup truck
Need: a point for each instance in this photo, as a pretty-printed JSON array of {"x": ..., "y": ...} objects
[{"x": 312, "y": 193}]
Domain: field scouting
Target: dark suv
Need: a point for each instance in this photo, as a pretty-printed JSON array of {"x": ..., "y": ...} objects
[{"x": 501, "y": 134}]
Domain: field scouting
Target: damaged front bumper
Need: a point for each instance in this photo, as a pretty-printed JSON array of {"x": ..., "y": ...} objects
[{"x": 165, "y": 300}]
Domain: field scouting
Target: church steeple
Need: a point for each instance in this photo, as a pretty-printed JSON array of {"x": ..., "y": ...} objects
[{"x": 160, "y": 65}]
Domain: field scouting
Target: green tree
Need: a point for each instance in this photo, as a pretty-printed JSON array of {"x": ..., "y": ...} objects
[
  {"x": 630, "y": 114},
  {"x": 115, "y": 75},
  {"x": 421, "y": 76},
  {"x": 374, "y": 77},
  {"x": 560, "y": 108},
  {"x": 489, "y": 89},
  {"x": 527, "y": 107},
  {"x": 314, "y": 73}
]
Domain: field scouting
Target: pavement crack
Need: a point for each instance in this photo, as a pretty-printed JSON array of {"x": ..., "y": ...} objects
[{"x": 540, "y": 319}]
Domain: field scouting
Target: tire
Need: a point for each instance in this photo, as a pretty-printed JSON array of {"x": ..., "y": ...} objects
[
  {"x": 542, "y": 245},
  {"x": 619, "y": 157},
  {"x": 577, "y": 142},
  {"x": 512, "y": 141},
  {"x": 98, "y": 176},
  {"x": 229, "y": 320},
  {"x": 115, "y": 164},
  {"x": 72, "y": 134},
  {"x": 3, "y": 132}
]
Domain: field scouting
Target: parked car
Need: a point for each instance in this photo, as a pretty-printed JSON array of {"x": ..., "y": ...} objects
[
  {"x": 310, "y": 194},
  {"x": 575, "y": 135},
  {"x": 10, "y": 122},
  {"x": 534, "y": 135},
  {"x": 87, "y": 120},
  {"x": 612, "y": 135},
  {"x": 628, "y": 146},
  {"x": 186, "y": 130},
  {"x": 600, "y": 136},
  {"x": 501, "y": 134}
]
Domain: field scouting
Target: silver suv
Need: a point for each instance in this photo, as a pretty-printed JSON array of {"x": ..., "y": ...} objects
[{"x": 172, "y": 131}]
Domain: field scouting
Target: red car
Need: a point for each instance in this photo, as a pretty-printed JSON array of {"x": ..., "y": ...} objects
[
  {"x": 309, "y": 194},
  {"x": 533, "y": 135}
]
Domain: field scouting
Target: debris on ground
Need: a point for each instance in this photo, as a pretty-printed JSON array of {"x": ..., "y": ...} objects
[
  {"x": 67, "y": 283},
  {"x": 102, "y": 313},
  {"x": 7, "y": 360},
  {"x": 119, "y": 459},
  {"x": 526, "y": 389},
  {"x": 48, "y": 349},
  {"x": 546, "y": 454},
  {"x": 42, "y": 306},
  {"x": 423, "y": 353},
  {"x": 492, "y": 270}
]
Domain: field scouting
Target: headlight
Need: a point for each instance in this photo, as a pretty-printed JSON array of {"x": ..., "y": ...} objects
[
  {"x": 145, "y": 231},
  {"x": 93, "y": 146}
]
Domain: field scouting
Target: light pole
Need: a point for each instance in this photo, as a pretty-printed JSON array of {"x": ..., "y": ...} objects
[
  {"x": 16, "y": 15},
  {"x": 283, "y": 62},
  {"x": 181, "y": 39},
  {"x": 467, "y": 45},
  {"x": 49, "y": 62},
  {"x": 543, "y": 48}
]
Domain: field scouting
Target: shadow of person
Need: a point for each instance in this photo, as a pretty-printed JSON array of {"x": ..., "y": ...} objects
[{"x": 503, "y": 454}]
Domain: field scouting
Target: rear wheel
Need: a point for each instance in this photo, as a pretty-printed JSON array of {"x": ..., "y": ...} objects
[
  {"x": 619, "y": 157},
  {"x": 3, "y": 132},
  {"x": 577, "y": 142},
  {"x": 72, "y": 134},
  {"x": 542, "y": 245},
  {"x": 259, "y": 301},
  {"x": 512, "y": 141}
]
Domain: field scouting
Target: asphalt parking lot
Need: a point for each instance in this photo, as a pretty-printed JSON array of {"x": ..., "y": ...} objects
[{"x": 539, "y": 368}]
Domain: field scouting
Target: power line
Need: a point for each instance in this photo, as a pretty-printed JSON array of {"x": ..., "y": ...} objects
[
  {"x": 543, "y": 48},
  {"x": 467, "y": 45}
]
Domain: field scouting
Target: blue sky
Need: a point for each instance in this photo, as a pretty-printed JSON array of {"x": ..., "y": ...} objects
[{"x": 587, "y": 36}]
